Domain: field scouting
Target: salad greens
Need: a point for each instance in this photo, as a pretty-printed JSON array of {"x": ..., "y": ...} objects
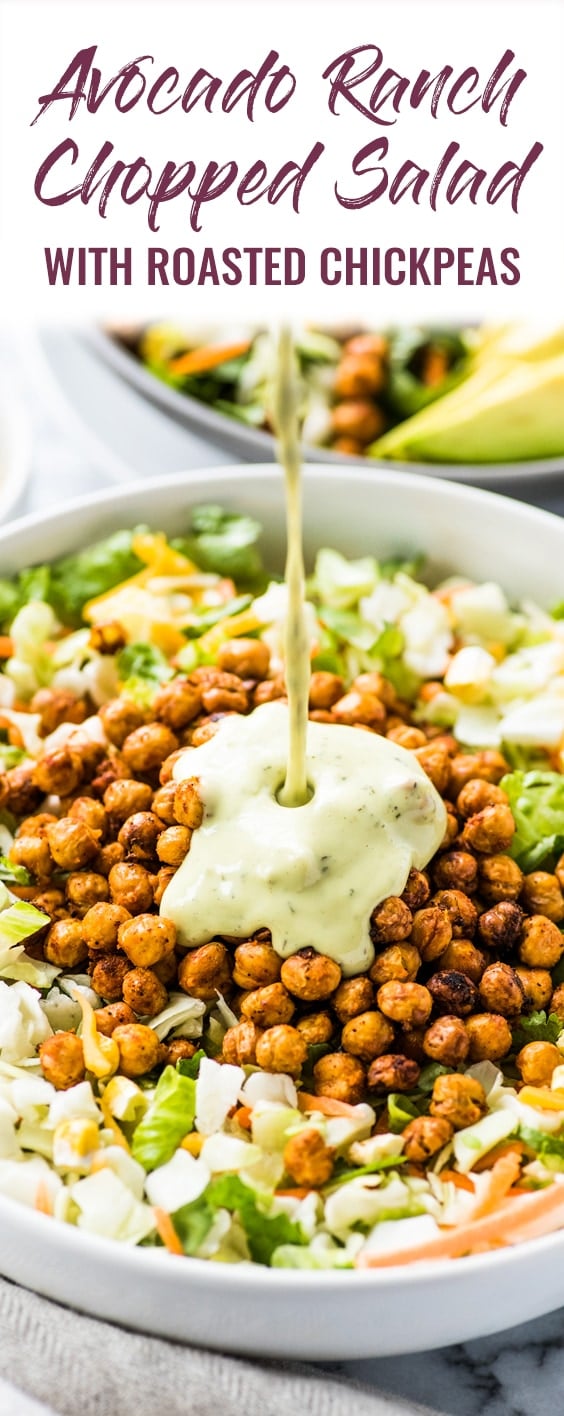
[
  {"x": 537, "y": 802},
  {"x": 169, "y": 1118},
  {"x": 224, "y": 542}
]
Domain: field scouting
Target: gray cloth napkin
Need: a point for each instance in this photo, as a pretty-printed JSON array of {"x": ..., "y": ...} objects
[{"x": 55, "y": 1361}]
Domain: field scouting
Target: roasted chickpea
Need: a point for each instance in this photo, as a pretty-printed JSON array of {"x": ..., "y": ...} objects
[
  {"x": 179, "y": 1050},
  {"x": 374, "y": 345},
  {"x": 407, "y": 1003},
  {"x": 107, "y": 638},
  {"x": 384, "y": 690},
  {"x": 108, "y": 976},
  {"x": 173, "y": 845},
  {"x": 490, "y": 1037},
  {"x": 310, "y": 976},
  {"x": 367, "y": 1036},
  {"x": 489, "y": 765},
  {"x": 393, "y": 1072},
  {"x": 35, "y": 825},
  {"x": 66, "y": 945},
  {"x": 358, "y": 375},
  {"x": 109, "y": 769},
  {"x": 541, "y": 894},
  {"x": 390, "y": 922},
  {"x": 281, "y": 1049},
  {"x": 447, "y": 1041},
  {"x": 146, "y": 939},
  {"x": 139, "y": 836},
  {"x": 461, "y": 911},
  {"x": 163, "y": 804},
  {"x": 463, "y": 956},
  {"x": 19, "y": 792},
  {"x": 130, "y": 886},
  {"x": 542, "y": 944},
  {"x": 268, "y": 1006},
  {"x": 501, "y": 990},
  {"x": 461, "y": 1100},
  {"x": 177, "y": 704},
  {"x": 205, "y": 972},
  {"x": 56, "y": 706},
  {"x": 188, "y": 807},
  {"x": 557, "y": 1002},
  {"x": 139, "y": 1049},
  {"x": 425, "y": 1136},
  {"x": 269, "y": 690},
  {"x": 307, "y": 1159},
  {"x": 435, "y": 761},
  {"x": 167, "y": 969},
  {"x": 476, "y": 795},
  {"x": 84, "y": 888},
  {"x": 491, "y": 830},
  {"x": 452, "y": 992},
  {"x": 417, "y": 891},
  {"x": 537, "y": 1061},
  {"x": 100, "y": 927},
  {"x": 456, "y": 870},
  {"x": 407, "y": 736},
  {"x": 125, "y": 797},
  {"x": 92, "y": 755},
  {"x": 62, "y": 1060},
  {"x": 256, "y": 964},
  {"x": 59, "y": 772},
  {"x": 500, "y": 879},
  {"x": 205, "y": 729},
  {"x": 325, "y": 689},
  {"x": 240, "y": 1044},
  {"x": 431, "y": 933},
  {"x": 119, "y": 718},
  {"x": 537, "y": 987},
  {"x": 145, "y": 749},
  {"x": 109, "y": 855},
  {"x": 341, "y": 1076},
  {"x": 248, "y": 658},
  {"x": 51, "y": 902},
  {"x": 315, "y": 1028},
  {"x": 500, "y": 927},
  {"x": 144, "y": 992},
  {"x": 398, "y": 961},
  {"x": 167, "y": 770},
  {"x": 359, "y": 419},
  {"x": 33, "y": 853},
  {"x": 160, "y": 882},
  {"x": 71, "y": 843},
  {"x": 113, "y": 1016},
  {"x": 91, "y": 812},
  {"x": 363, "y": 708},
  {"x": 353, "y": 996}
]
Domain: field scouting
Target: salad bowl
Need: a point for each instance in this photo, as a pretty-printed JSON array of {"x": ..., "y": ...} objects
[{"x": 241, "y": 1307}]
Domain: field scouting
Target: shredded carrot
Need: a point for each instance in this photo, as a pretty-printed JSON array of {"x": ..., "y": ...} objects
[
  {"x": 524, "y": 1217},
  {"x": 244, "y": 1117},
  {"x": 501, "y": 1177},
  {"x": 42, "y": 1199},
  {"x": 517, "y": 1148},
  {"x": 299, "y": 1192},
  {"x": 6, "y": 646},
  {"x": 327, "y": 1105},
  {"x": 462, "y": 1182},
  {"x": 208, "y": 356},
  {"x": 166, "y": 1231}
]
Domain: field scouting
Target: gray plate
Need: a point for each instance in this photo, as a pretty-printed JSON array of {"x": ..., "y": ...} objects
[{"x": 256, "y": 446}]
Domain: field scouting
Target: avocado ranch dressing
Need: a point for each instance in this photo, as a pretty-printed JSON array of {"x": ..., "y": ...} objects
[{"x": 307, "y": 826}]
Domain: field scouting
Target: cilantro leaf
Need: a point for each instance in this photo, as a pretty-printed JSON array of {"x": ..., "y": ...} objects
[{"x": 537, "y": 1028}]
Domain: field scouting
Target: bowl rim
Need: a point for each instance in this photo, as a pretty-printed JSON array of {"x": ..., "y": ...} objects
[
  {"x": 17, "y": 441},
  {"x": 140, "y": 1260}
]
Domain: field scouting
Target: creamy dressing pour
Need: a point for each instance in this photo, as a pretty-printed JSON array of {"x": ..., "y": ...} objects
[
  {"x": 363, "y": 811},
  {"x": 314, "y": 874},
  {"x": 295, "y": 789}
]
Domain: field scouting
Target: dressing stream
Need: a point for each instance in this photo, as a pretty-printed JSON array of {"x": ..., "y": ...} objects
[{"x": 295, "y": 790}]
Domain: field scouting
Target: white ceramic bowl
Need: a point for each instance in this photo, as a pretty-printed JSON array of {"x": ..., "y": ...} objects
[
  {"x": 15, "y": 453},
  {"x": 279, "y": 1312}
]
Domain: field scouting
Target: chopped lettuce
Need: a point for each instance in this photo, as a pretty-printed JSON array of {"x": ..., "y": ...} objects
[
  {"x": 192, "y": 1223},
  {"x": 549, "y": 1148},
  {"x": 206, "y": 619},
  {"x": 225, "y": 543},
  {"x": 76, "y": 579},
  {"x": 11, "y": 874},
  {"x": 341, "y": 583},
  {"x": 10, "y": 757},
  {"x": 143, "y": 661},
  {"x": 169, "y": 1118},
  {"x": 18, "y": 919},
  {"x": 190, "y": 1066},
  {"x": 264, "y": 1232},
  {"x": 537, "y": 1028},
  {"x": 537, "y": 802}
]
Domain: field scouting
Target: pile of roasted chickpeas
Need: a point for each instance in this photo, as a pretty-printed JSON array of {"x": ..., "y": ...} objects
[
  {"x": 361, "y": 385},
  {"x": 469, "y": 946}
]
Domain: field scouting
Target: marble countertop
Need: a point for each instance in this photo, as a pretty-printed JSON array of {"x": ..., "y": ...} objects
[{"x": 115, "y": 437}]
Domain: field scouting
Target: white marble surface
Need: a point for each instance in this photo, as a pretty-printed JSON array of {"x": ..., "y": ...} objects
[{"x": 517, "y": 1373}]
